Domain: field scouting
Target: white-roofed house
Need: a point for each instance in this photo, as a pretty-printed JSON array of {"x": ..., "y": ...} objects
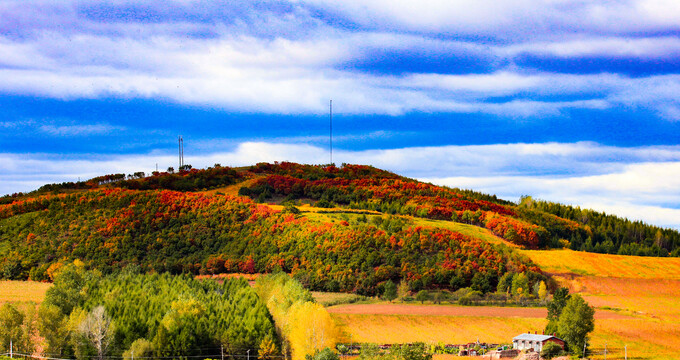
[{"x": 534, "y": 341}]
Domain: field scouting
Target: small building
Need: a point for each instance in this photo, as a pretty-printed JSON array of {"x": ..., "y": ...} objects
[{"x": 534, "y": 341}]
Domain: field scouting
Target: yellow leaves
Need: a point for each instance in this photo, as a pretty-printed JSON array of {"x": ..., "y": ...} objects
[
  {"x": 267, "y": 349},
  {"x": 180, "y": 310},
  {"x": 542, "y": 291},
  {"x": 310, "y": 328},
  {"x": 303, "y": 325}
]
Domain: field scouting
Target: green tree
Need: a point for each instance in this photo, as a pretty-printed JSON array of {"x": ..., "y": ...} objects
[
  {"x": 11, "y": 321},
  {"x": 67, "y": 292},
  {"x": 422, "y": 296},
  {"x": 454, "y": 216},
  {"x": 417, "y": 351},
  {"x": 505, "y": 283},
  {"x": 390, "y": 291},
  {"x": 325, "y": 354},
  {"x": 520, "y": 284},
  {"x": 576, "y": 322},
  {"x": 140, "y": 348},
  {"x": 53, "y": 326},
  {"x": 480, "y": 282},
  {"x": 555, "y": 306},
  {"x": 467, "y": 216}
]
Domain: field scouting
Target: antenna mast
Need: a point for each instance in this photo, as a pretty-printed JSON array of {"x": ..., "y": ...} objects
[
  {"x": 331, "y": 127},
  {"x": 180, "y": 142}
]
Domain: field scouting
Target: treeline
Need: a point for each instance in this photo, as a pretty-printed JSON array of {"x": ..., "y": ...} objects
[
  {"x": 183, "y": 180},
  {"x": 89, "y": 315},
  {"x": 176, "y": 232},
  {"x": 602, "y": 233}
]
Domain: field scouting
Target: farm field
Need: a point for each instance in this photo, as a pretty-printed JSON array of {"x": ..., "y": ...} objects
[
  {"x": 455, "y": 310},
  {"x": 636, "y": 300},
  {"x": 605, "y": 265},
  {"x": 22, "y": 291}
]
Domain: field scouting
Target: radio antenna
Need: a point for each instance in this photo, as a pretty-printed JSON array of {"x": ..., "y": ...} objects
[{"x": 331, "y": 127}]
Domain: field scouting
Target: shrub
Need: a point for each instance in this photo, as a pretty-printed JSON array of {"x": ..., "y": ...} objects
[{"x": 550, "y": 350}]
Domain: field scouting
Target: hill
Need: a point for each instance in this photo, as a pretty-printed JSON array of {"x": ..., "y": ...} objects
[{"x": 368, "y": 226}]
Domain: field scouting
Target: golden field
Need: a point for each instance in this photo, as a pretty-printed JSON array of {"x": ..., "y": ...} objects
[
  {"x": 22, "y": 291},
  {"x": 604, "y": 265},
  {"x": 645, "y": 291}
]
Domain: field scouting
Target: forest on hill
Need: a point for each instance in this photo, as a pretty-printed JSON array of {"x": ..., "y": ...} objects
[
  {"x": 167, "y": 223},
  {"x": 184, "y": 232}
]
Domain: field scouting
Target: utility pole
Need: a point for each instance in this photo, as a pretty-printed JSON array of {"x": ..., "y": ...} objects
[
  {"x": 11, "y": 352},
  {"x": 248, "y": 354},
  {"x": 222, "y": 351},
  {"x": 331, "y": 127},
  {"x": 132, "y": 355}
]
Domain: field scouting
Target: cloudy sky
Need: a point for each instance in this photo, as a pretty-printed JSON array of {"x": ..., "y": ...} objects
[{"x": 569, "y": 101}]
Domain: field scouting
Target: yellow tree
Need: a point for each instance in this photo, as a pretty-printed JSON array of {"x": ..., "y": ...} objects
[{"x": 311, "y": 329}]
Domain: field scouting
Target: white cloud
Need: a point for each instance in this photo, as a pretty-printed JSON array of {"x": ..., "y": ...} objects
[
  {"x": 78, "y": 130},
  {"x": 248, "y": 72},
  {"x": 639, "y": 183},
  {"x": 610, "y": 47}
]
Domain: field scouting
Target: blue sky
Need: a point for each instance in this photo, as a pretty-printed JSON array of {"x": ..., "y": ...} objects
[{"x": 570, "y": 101}]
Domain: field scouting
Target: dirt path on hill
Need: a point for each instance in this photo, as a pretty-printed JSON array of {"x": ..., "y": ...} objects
[{"x": 454, "y": 310}]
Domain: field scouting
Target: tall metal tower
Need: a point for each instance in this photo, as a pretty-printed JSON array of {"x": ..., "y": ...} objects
[
  {"x": 331, "y": 128},
  {"x": 180, "y": 142}
]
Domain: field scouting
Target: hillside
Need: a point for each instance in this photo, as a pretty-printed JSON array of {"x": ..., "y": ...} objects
[{"x": 368, "y": 226}]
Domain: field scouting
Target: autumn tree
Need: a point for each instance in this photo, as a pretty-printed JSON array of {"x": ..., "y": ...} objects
[
  {"x": 542, "y": 291},
  {"x": 99, "y": 330},
  {"x": 311, "y": 329}
]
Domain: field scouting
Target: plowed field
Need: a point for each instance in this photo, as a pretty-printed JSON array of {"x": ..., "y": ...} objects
[{"x": 453, "y": 310}]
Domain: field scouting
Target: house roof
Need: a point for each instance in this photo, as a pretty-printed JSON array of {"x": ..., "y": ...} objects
[{"x": 534, "y": 337}]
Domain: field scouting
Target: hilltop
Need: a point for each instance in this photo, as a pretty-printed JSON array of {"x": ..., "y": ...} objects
[{"x": 348, "y": 228}]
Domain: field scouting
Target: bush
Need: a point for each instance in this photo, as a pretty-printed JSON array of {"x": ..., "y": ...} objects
[
  {"x": 325, "y": 354},
  {"x": 550, "y": 350}
]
